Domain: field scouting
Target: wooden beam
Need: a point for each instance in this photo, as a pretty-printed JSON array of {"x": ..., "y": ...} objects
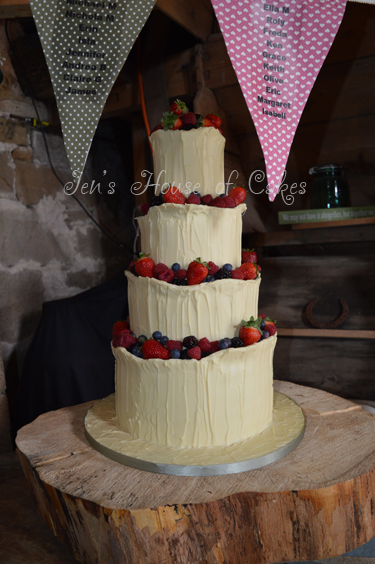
[
  {"x": 15, "y": 9},
  {"x": 326, "y": 333}
]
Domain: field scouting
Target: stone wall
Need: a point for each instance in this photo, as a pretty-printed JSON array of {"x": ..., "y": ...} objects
[{"x": 49, "y": 247}]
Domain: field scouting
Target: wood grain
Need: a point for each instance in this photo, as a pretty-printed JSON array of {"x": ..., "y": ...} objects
[
  {"x": 338, "y": 223},
  {"x": 315, "y": 503}
]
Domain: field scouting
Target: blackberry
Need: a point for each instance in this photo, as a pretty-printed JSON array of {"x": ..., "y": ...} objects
[
  {"x": 205, "y": 353},
  {"x": 237, "y": 343},
  {"x": 156, "y": 201},
  {"x": 222, "y": 274},
  {"x": 190, "y": 342},
  {"x": 188, "y": 127},
  {"x": 184, "y": 355},
  {"x": 210, "y": 278}
]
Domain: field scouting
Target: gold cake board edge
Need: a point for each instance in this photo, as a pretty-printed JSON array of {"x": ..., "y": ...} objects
[{"x": 226, "y": 466}]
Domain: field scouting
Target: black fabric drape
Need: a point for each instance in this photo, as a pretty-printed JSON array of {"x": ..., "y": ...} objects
[{"x": 69, "y": 360}]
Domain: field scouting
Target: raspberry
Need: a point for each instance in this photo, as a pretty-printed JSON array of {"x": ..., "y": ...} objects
[
  {"x": 144, "y": 208},
  {"x": 263, "y": 315},
  {"x": 181, "y": 274},
  {"x": 237, "y": 274},
  {"x": 217, "y": 203},
  {"x": 212, "y": 268},
  {"x": 271, "y": 328},
  {"x": 204, "y": 344},
  {"x": 173, "y": 345},
  {"x": 206, "y": 199},
  {"x": 195, "y": 352},
  {"x": 214, "y": 346},
  {"x": 190, "y": 342},
  {"x": 159, "y": 268},
  {"x": 119, "y": 326},
  {"x": 167, "y": 275},
  {"x": 174, "y": 196},
  {"x": 124, "y": 339},
  {"x": 193, "y": 199},
  {"x": 229, "y": 202}
]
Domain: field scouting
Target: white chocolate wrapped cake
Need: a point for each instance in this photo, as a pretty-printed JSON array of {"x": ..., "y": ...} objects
[{"x": 190, "y": 372}]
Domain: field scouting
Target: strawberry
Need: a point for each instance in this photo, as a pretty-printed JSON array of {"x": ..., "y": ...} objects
[
  {"x": 193, "y": 199},
  {"x": 215, "y": 119},
  {"x": 153, "y": 349},
  {"x": 174, "y": 196},
  {"x": 181, "y": 274},
  {"x": 144, "y": 208},
  {"x": 238, "y": 275},
  {"x": 189, "y": 119},
  {"x": 156, "y": 128},
  {"x": 197, "y": 272},
  {"x": 217, "y": 202},
  {"x": 212, "y": 268},
  {"x": 238, "y": 194},
  {"x": 250, "y": 331},
  {"x": 167, "y": 275},
  {"x": 207, "y": 123},
  {"x": 124, "y": 338},
  {"x": 214, "y": 346},
  {"x": 171, "y": 121},
  {"x": 249, "y": 270},
  {"x": 248, "y": 256},
  {"x": 229, "y": 202},
  {"x": 271, "y": 328},
  {"x": 195, "y": 352},
  {"x": 159, "y": 268},
  {"x": 170, "y": 345},
  {"x": 204, "y": 344},
  {"x": 118, "y": 326},
  {"x": 206, "y": 199},
  {"x": 144, "y": 266},
  {"x": 178, "y": 108}
]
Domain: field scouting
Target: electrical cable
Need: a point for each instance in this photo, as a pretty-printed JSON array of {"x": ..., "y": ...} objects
[{"x": 104, "y": 231}]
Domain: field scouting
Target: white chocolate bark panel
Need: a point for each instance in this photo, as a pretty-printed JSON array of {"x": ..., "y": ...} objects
[
  {"x": 191, "y": 160},
  {"x": 181, "y": 233},
  {"x": 219, "y": 400},
  {"x": 213, "y": 310}
]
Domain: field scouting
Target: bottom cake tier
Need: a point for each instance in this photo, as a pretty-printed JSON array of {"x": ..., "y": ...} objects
[{"x": 222, "y": 399}]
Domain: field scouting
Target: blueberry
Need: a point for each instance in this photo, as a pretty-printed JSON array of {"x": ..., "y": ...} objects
[
  {"x": 262, "y": 325},
  {"x": 157, "y": 335},
  {"x": 197, "y": 194},
  {"x": 164, "y": 340},
  {"x": 223, "y": 344},
  {"x": 205, "y": 280},
  {"x": 229, "y": 341},
  {"x": 137, "y": 351},
  {"x": 210, "y": 278},
  {"x": 221, "y": 195},
  {"x": 227, "y": 267},
  {"x": 142, "y": 339},
  {"x": 265, "y": 334},
  {"x": 175, "y": 353},
  {"x": 176, "y": 267}
]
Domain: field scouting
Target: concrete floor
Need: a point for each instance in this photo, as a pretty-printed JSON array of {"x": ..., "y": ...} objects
[{"x": 25, "y": 539}]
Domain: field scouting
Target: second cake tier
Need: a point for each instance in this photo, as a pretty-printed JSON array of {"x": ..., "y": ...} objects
[{"x": 212, "y": 310}]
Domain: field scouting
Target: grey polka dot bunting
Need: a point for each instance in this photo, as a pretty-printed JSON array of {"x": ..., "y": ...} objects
[{"x": 86, "y": 44}]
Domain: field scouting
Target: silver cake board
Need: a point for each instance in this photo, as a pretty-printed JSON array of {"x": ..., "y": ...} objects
[{"x": 281, "y": 437}]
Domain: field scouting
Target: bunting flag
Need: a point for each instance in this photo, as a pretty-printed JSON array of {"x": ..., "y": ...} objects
[
  {"x": 86, "y": 44},
  {"x": 277, "y": 49}
]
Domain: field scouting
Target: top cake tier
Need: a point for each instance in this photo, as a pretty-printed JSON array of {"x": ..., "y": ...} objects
[{"x": 191, "y": 160}]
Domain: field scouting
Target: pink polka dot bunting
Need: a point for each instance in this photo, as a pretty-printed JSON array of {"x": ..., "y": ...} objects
[{"x": 277, "y": 50}]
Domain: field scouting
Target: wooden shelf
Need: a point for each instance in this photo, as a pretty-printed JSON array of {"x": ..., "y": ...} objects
[{"x": 338, "y": 223}]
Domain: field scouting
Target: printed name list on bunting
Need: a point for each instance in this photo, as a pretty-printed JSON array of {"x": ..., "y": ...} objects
[
  {"x": 277, "y": 50},
  {"x": 86, "y": 44}
]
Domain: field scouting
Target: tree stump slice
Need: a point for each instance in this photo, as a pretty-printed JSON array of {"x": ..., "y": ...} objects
[{"x": 317, "y": 502}]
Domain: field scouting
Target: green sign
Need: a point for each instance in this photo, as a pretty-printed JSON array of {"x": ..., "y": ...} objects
[
  {"x": 333, "y": 214},
  {"x": 86, "y": 44}
]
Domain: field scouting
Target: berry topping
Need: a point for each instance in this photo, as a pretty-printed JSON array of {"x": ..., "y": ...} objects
[
  {"x": 214, "y": 346},
  {"x": 237, "y": 343},
  {"x": 204, "y": 344},
  {"x": 229, "y": 202},
  {"x": 195, "y": 352},
  {"x": 238, "y": 194},
  {"x": 250, "y": 331},
  {"x": 223, "y": 344},
  {"x": 214, "y": 119},
  {"x": 181, "y": 274},
  {"x": 144, "y": 208},
  {"x": 174, "y": 196},
  {"x": 124, "y": 339},
  {"x": 157, "y": 335},
  {"x": 189, "y": 119},
  {"x": 212, "y": 267},
  {"x": 144, "y": 266},
  {"x": 171, "y": 121},
  {"x": 197, "y": 272},
  {"x": 206, "y": 199},
  {"x": 270, "y": 328},
  {"x": 119, "y": 326},
  {"x": 159, "y": 268},
  {"x": 265, "y": 334},
  {"x": 249, "y": 270},
  {"x": 156, "y": 128},
  {"x": 164, "y": 340},
  {"x": 142, "y": 339},
  {"x": 222, "y": 274},
  {"x": 207, "y": 123},
  {"x": 176, "y": 267},
  {"x": 248, "y": 256},
  {"x": 170, "y": 345},
  {"x": 193, "y": 199},
  {"x": 217, "y": 203},
  {"x": 178, "y": 108},
  {"x": 175, "y": 353},
  {"x": 190, "y": 342},
  {"x": 153, "y": 349},
  {"x": 167, "y": 276},
  {"x": 156, "y": 201},
  {"x": 228, "y": 267},
  {"x": 237, "y": 274},
  {"x": 184, "y": 355}
]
